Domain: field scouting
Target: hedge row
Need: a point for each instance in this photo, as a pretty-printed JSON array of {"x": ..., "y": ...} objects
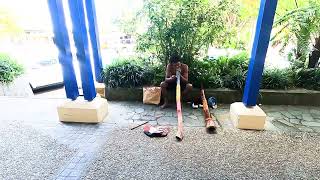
[
  {"x": 9, "y": 68},
  {"x": 227, "y": 72}
]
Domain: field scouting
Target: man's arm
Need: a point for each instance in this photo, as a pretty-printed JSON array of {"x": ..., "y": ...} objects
[
  {"x": 185, "y": 75},
  {"x": 169, "y": 77}
]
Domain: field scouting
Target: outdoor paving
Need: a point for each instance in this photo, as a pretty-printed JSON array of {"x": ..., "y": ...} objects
[
  {"x": 229, "y": 154},
  {"x": 86, "y": 142}
]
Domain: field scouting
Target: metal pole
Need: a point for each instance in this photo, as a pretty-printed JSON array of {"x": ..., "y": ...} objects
[
  {"x": 80, "y": 37},
  {"x": 61, "y": 40},
  {"x": 259, "y": 51},
  {"x": 94, "y": 37}
]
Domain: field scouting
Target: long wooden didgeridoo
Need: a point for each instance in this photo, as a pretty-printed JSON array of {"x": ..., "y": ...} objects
[
  {"x": 210, "y": 124},
  {"x": 179, "y": 134}
]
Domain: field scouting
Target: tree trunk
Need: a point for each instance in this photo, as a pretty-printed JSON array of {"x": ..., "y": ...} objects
[{"x": 315, "y": 54}]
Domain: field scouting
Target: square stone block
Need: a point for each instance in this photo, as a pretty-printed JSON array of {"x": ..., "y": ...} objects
[
  {"x": 247, "y": 117},
  {"x": 83, "y": 111},
  {"x": 100, "y": 88}
]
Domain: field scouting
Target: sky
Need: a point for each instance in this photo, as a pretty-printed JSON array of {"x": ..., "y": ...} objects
[{"x": 34, "y": 14}]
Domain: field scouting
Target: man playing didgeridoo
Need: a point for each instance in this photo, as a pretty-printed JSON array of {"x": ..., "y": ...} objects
[{"x": 171, "y": 79}]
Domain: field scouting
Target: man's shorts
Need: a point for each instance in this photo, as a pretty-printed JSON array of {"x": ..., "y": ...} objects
[{"x": 173, "y": 85}]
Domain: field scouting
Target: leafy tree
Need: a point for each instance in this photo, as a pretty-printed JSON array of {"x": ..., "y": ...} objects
[
  {"x": 186, "y": 27},
  {"x": 301, "y": 26},
  {"x": 8, "y": 25}
]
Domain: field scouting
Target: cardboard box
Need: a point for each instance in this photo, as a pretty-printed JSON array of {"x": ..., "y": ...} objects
[{"x": 100, "y": 88}]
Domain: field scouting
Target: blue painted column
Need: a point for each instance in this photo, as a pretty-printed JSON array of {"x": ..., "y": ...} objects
[
  {"x": 259, "y": 51},
  {"x": 94, "y": 37},
  {"x": 80, "y": 37},
  {"x": 61, "y": 39}
]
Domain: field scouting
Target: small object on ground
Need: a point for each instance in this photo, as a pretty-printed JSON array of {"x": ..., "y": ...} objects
[
  {"x": 210, "y": 125},
  {"x": 136, "y": 125},
  {"x": 179, "y": 134},
  {"x": 212, "y": 102},
  {"x": 195, "y": 106},
  {"x": 160, "y": 131},
  {"x": 164, "y": 106}
]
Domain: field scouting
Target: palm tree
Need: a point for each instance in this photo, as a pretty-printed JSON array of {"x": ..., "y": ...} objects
[{"x": 301, "y": 26}]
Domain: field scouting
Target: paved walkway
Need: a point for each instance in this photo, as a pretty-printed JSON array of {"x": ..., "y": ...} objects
[
  {"x": 84, "y": 142},
  {"x": 229, "y": 154}
]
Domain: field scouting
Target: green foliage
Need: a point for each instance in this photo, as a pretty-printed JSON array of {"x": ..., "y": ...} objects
[
  {"x": 205, "y": 72},
  {"x": 236, "y": 79},
  {"x": 299, "y": 26},
  {"x": 124, "y": 73},
  {"x": 154, "y": 75},
  {"x": 307, "y": 78},
  {"x": 9, "y": 68},
  {"x": 229, "y": 72},
  {"x": 133, "y": 72},
  {"x": 276, "y": 79},
  {"x": 187, "y": 27}
]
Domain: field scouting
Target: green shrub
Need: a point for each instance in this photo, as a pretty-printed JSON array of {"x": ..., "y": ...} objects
[
  {"x": 154, "y": 75},
  {"x": 276, "y": 79},
  {"x": 123, "y": 73},
  {"x": 9, "y": 68},
  {"x": 236, "y": 79},
  {"x": 205, "y": 72},
  {"x": 307, "y": 78},
  {"x": 133, "y": 72},
  {"x": 229, "y": 72}
]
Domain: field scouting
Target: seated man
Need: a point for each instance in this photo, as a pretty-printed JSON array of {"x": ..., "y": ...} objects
[{"x": 171, "y": 79}]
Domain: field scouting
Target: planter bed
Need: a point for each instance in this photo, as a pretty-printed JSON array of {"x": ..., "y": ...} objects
[{"x": 228, "y": 96}]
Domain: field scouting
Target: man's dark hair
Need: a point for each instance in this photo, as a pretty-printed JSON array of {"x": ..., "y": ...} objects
[{"x": 174, "y": 58}]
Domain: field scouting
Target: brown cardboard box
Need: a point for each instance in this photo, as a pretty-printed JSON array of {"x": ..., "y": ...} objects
[{"x": 100, "y": 88}]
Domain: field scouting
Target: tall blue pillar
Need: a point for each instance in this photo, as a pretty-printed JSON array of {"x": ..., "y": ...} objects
[
  {"x": 94, "y": 37},
  {"x": 80, "y": 37},
  {"x": 259, "y": 51},
  {"x": 61, "y": 39}
]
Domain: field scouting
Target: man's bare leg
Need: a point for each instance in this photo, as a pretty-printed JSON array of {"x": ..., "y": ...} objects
[
  {"x": 187, "y": 93},
  {"x": 164, "y": 87}
]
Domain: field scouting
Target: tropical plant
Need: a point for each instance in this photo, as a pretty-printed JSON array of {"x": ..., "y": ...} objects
[
  {"x": 307, "y": 78},
  {"x": 133, "y": 72},
  {"x": 301, "y": 26},
  {"x": 205, "y": 72},
  {"x": 186, "y": 27},
  {"x": 123, "y": 73},
  {"x": 9, "y": 68},
  {"x": 225, "y": 71},
  {"x": 276, "y": 79}
]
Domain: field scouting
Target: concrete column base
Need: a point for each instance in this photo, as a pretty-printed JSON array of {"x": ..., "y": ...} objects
[
  {"x": 83, "y": 111},
  {"x": 247, "y": 117},
  {"x": 100, "y": 88}
]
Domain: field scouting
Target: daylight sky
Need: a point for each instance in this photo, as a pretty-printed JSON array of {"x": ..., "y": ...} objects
[{"x": 34, "y": 14}]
